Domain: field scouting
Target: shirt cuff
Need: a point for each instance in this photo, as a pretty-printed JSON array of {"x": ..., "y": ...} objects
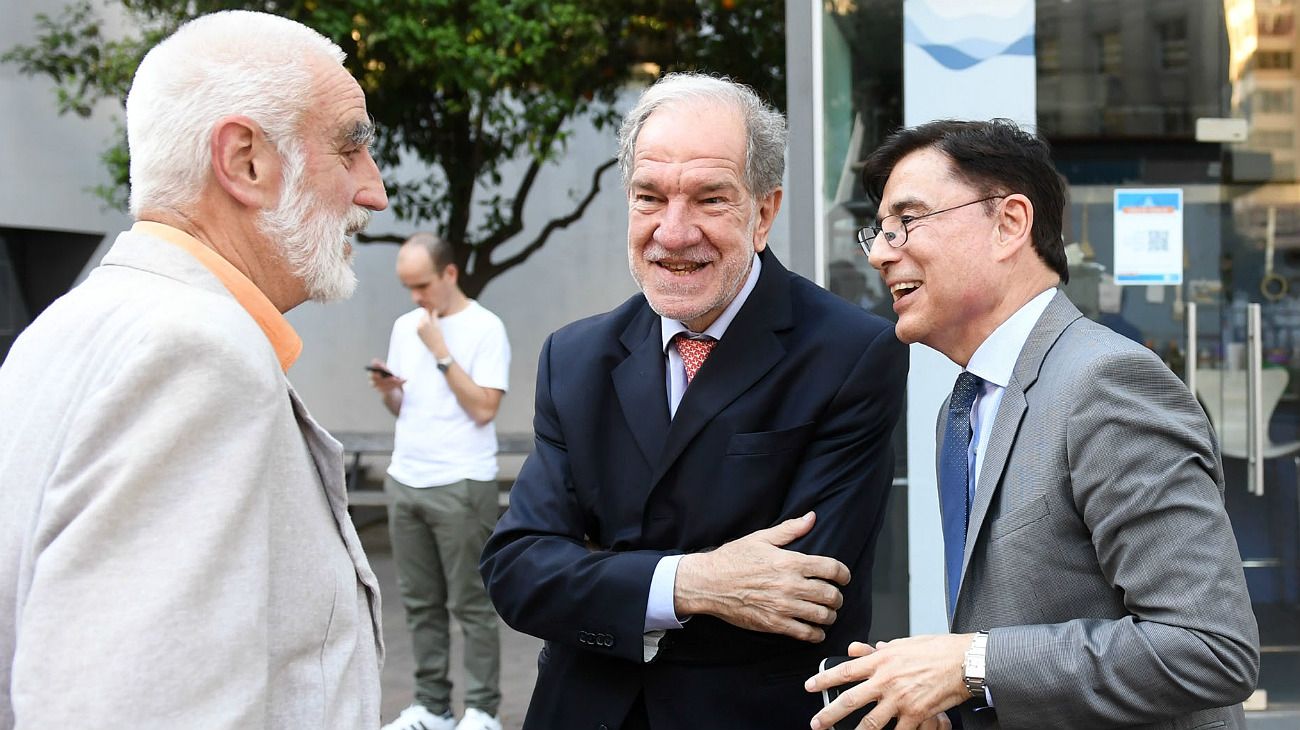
[{"x": 659, "y": 613}]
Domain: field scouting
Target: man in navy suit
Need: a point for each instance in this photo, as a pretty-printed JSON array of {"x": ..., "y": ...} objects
[{"x": 695, "y": 528}]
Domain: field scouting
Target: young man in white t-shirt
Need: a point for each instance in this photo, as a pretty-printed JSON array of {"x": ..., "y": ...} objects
[{"x": 449, "y": 360}]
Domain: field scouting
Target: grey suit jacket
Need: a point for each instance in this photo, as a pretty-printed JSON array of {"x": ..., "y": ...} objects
[
  {"x": 175, "y": 548},
  {"x": 1099, "y": 556}
]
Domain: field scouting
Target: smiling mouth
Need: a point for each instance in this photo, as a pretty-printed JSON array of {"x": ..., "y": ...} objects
[
  {"x": 681, "y": 268},
  {"x": 903, "y": 288}
]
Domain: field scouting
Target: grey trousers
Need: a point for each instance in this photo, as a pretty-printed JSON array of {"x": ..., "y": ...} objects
[{"x": 438, "y": 534}]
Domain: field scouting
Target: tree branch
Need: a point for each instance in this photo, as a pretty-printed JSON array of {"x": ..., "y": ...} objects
[
  {"x": 486, "y": 270},
  {"x": 512, "y": 227}
]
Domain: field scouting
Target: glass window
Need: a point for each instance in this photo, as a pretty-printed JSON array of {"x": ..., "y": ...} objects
[
  {"x": 1110, "y": 53},
  {"x": 1273, "y": 60},
  {"x": 1120, "y": 79},
  {"x": 1274, "y": 101},
  {"x": 1129, "y": 121},
  {"x": 1273, "y": 138},
  {"x": 1173, "y": 44},
  {"x": 1276, "y": 22},
  {"x": 1049, "y": 56}
]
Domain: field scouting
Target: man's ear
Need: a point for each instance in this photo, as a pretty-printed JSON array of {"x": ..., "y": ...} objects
[
  {"x": 452, "y": 273},
  {"x": 1015, "y": 223},
  {"x": 244, "y": 163},
  {"x": 767, "y": 210}
]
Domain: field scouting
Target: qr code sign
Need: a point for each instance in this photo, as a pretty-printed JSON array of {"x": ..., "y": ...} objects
[{"x": 1157, "y": 241}]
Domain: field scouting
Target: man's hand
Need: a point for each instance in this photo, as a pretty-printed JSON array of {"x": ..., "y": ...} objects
[
  {"x": 913, "y": 679},
  {"x": 383, "y": 383},
  {"x": 389, "y": 387},
  {"x": 754, "y": 584},
  {"x": 430, "y": 332}
]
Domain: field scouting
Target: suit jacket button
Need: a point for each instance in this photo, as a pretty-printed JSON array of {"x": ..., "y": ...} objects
[{"x": 602, "y": 726}]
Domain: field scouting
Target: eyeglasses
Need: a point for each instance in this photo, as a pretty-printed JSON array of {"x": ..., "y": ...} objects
[{"x": 894, "y": 227}]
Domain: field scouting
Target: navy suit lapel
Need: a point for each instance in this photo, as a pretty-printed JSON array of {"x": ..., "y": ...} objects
[
  {"x": 1006, "y": 424},
  {"x": 641, "y": 385},
  {"x": 749, "y": 349}
]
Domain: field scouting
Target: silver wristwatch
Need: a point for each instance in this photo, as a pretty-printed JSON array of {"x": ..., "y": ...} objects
[
  {"x": 444, "y": 363},
  {"x": 973, "y": 666}
]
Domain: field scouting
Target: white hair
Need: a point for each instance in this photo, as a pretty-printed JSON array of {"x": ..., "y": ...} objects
[
  {"x": 765, "y": 132},
  {"x": 229, "y": 62}
]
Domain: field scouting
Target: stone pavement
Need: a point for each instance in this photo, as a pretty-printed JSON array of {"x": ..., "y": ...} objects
[{"x": 518, "y": 651}]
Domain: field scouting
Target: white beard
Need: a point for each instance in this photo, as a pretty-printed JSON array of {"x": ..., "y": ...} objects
[{"x": 314, "y": 242}]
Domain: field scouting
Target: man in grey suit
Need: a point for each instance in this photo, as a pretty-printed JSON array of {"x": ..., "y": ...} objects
[
  {"x": 175, "y": 548},
  {"x": 1093, "y": 580}
]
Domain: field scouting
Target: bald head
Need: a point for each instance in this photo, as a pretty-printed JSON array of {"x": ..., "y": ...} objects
[
  {"x": 426, "y": 267},
  {"x": 432, "y": 246}
]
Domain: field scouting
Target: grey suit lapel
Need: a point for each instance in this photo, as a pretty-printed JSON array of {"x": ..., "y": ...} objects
[{"x": 1006, "y": 424}]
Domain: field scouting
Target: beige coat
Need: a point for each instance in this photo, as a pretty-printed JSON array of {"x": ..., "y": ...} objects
[{"x": 175, "y": 547}]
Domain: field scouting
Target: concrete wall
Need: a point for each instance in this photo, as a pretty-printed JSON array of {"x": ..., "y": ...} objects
[{"x": 50, "y": 161}]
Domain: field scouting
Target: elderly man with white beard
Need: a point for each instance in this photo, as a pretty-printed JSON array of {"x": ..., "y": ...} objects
[{"x": 176, "y": 549}]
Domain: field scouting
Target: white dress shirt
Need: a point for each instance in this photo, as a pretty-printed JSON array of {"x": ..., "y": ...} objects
[{"x": 993, "y": 362}]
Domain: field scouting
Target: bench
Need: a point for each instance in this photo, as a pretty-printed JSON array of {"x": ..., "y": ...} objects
[{"x": 357, "y": 444}]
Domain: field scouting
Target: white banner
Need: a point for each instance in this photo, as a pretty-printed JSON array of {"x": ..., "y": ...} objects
[{"x": 969, "y": 60}]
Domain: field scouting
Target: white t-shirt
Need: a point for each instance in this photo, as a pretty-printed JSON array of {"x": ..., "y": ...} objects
[{"x": 436, "y": 442}]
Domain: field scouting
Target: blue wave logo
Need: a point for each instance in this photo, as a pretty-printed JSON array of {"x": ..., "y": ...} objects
[{"x": 986, "y": 36}]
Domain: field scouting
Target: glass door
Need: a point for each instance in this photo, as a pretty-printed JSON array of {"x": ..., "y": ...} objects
[
  {"x": 1231, "y": 331},
  {"x": 1200, "y": 97},
  {"x": 1248, "y": 377}
]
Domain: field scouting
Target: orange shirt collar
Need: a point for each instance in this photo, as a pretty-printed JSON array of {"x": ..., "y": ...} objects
[{"x": 277, "y": 329}]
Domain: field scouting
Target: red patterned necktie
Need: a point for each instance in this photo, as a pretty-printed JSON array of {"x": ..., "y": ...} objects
[{"x": 693, "y": 352}]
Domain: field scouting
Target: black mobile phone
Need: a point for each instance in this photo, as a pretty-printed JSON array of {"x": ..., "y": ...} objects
[
  {"x": 381, "y": 370},
  {"x": 852, "y": 720}
]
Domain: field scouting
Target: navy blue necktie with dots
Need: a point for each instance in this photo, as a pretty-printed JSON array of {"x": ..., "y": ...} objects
[{"x": 954, "y": 479}]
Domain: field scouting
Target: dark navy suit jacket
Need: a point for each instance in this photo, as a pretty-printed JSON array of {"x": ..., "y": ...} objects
[{"x": 792, "y": 412}]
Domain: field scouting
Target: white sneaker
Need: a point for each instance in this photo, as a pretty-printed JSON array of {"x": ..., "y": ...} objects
[
  {"x": 476, "y": 719},
  {"x": 418, "y": 717}
]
